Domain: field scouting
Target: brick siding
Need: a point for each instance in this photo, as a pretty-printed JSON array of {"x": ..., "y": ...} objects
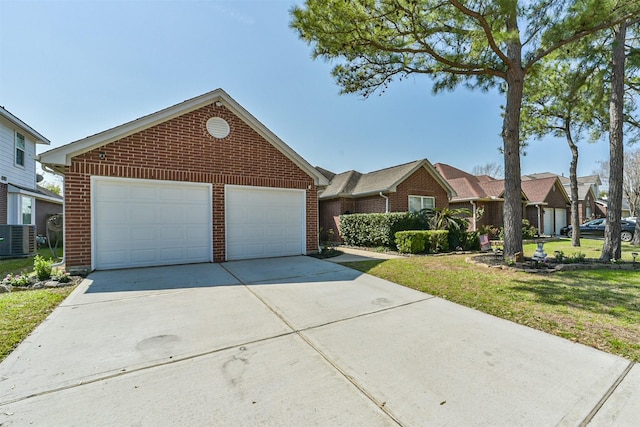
[
  {"x": 181, "y": 149},
  {"x": 420, "y": 183}
]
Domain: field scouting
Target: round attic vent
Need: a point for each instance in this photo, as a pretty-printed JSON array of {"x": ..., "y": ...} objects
[{"x": 218, "y": 127}]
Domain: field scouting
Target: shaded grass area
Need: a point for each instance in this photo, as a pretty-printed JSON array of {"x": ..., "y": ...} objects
[
  {"x": 18, "y": 265},
  {"x": 22, "y": 311},
  {"x": 599, "y": 308},
  {"x": 591, "y": 248}
]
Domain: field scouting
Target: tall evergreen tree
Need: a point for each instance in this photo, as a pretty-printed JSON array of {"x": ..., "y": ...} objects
[{"x": 481, "y": 44}]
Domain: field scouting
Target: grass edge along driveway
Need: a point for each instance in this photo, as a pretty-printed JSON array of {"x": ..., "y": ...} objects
[{"x": 598, "y": 308}]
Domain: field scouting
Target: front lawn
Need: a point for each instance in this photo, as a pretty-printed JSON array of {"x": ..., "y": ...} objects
[
  {"x": 21, "y": 311},
  {"x": 599, "y": 308}
]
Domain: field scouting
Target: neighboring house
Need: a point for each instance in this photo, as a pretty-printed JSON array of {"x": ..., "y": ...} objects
[
  {"x": 602, "y": 204},
  {"x": 409, "y": 187},
  {"x": 482, "y": 195},
  {"x": 21, "y": 200},
  {"x": 200, "y": 181},
  {"x": 48, "y": 204},
  {"x": 588, "y": 191},
  {"x": 548, "y": 206}
]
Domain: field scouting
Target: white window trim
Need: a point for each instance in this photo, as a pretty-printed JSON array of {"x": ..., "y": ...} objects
[
  {"x": 23, "y": 149},
  {"x": 422, "y": 200},
  {"x": 33, "y": 209}
]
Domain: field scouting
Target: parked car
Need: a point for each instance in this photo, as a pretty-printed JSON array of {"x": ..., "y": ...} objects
[{"x": 595, "y": 228}]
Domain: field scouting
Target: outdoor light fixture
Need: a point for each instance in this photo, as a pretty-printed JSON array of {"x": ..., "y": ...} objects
[{"x": 102, "y": 155}]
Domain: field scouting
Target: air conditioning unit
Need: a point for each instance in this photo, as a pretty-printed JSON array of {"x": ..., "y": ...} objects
[{"x": 17, "y": 240}]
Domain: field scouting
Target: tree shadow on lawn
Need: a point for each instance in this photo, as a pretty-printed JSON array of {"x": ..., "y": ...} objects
[{"x": 601, "y": 292}]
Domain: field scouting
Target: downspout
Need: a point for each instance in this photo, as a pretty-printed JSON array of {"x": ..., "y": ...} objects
[
  {"x": 386, "y": 202},
  {"x": 474, "y": 214},
  {"x": 64, "y": 247}
]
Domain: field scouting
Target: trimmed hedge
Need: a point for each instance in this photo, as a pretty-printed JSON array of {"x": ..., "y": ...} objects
[
  {"x": 378, "y": 229},
  {"x": 417, "y": 241}
]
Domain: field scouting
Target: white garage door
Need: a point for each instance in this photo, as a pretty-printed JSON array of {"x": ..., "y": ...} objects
[
  {"x": 139, "y": 223},
  {"x": 264, "y": 222},
  {"x": 561, "y": 219}
]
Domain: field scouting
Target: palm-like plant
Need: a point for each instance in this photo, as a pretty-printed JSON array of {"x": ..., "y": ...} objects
[{"x": 448, "y": 219}]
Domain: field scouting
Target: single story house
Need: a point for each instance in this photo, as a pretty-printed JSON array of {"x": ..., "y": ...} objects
[
  {"x": 199, "y": 181},
  {"x": 548, "y": 206},
  {"x": 408, "y": 187},
  {"x": 482, "y": 195},
  {"x": 588, "y": 189}
]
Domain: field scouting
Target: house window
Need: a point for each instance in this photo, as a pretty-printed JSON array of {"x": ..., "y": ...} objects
[
  {"x": 589, "y": 213},
  {"x": 418, "y": 203},
  {"x": 26, "y": 210},
  {"x": 19, "y": 149}
]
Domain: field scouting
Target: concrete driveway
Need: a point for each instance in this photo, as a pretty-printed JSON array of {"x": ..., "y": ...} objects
[{"x": 297, "y": 341}]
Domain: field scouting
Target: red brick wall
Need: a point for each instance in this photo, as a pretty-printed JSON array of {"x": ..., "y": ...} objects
[
  {"x": 3, "y": 203},
  {"x": 373, "y": 204},
  {"x": 181, "y": 149},
  {"x": 420, "y": 183}
]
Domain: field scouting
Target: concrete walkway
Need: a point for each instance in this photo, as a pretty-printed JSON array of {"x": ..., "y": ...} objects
[
  {"x": 352, "y": 255},
  {"x": 297, "y": 341}
]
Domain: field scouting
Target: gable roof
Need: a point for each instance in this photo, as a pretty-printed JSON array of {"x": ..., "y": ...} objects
[
  {"x": 585, "y": 183},
  {"x": 24, "y": 127},
  {"x": 355, "y": 184},
  {"x": 59, "y": 157},
  {"x": 537, "y": 190},
  {"x": 471, "y": 187}
]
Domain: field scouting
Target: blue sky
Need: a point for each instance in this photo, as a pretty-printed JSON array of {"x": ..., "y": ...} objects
[{"x": 74, "y": 68}]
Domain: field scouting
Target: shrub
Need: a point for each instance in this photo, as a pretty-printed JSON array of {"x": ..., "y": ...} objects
[
  {"x": 60, "y": 275},
  {"x": 418, "y": 241},
  {"x": 17, "y": 279},
  {"x": 373, "y": 230},
  {"x": 464, "y": 240},
  {"x": 42, "y": 267},
  {"x": 411, "y": 242},
  {"x": 528, "y": 230}
]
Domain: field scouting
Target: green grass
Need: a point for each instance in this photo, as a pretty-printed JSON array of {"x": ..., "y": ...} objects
[
  {"x": 599, "y": 308},
  {"x": 590, "y": 247},
  {"x": 22, "y": 311},
  {"x": 18, "y": 265}
]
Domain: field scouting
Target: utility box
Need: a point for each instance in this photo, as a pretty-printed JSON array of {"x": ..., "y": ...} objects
[{"x": 17, "y": 240}]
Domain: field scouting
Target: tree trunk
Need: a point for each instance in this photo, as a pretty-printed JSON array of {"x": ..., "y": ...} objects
[
  {"x": 573, "y": 178},
  {"x": 636, "y": 233},
  {"x": 612, "y": 248},
  {"x": 512, "y": 211}
]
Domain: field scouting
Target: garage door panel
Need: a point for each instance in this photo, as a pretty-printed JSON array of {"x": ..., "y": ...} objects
[
  {"x": 264, "y": 222},
  {"x": 138, "y": 223}
]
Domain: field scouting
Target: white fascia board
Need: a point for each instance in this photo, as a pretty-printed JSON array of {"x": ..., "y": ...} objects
[
  {"x": 24, "y": 127},
  {"x": 62, "y": 156}
]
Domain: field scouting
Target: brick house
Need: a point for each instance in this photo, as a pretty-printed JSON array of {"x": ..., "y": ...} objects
[
  {"x": 408, "y": 187},
  {"x": 548, "y": 207},
  {"x": 200, "y": 181},
  {"x": 588, "y": 190},
  {"x": 482, "y": 195}
]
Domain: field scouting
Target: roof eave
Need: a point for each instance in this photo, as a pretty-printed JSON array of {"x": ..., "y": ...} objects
[
  {"x": 25, "y": 127},
  {"x": 62, "y": 156}
]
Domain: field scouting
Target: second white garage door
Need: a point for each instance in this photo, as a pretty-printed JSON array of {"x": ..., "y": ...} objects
[
  {"x": 139, "y": 223},
  {"x": 264, "y": 222}
]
